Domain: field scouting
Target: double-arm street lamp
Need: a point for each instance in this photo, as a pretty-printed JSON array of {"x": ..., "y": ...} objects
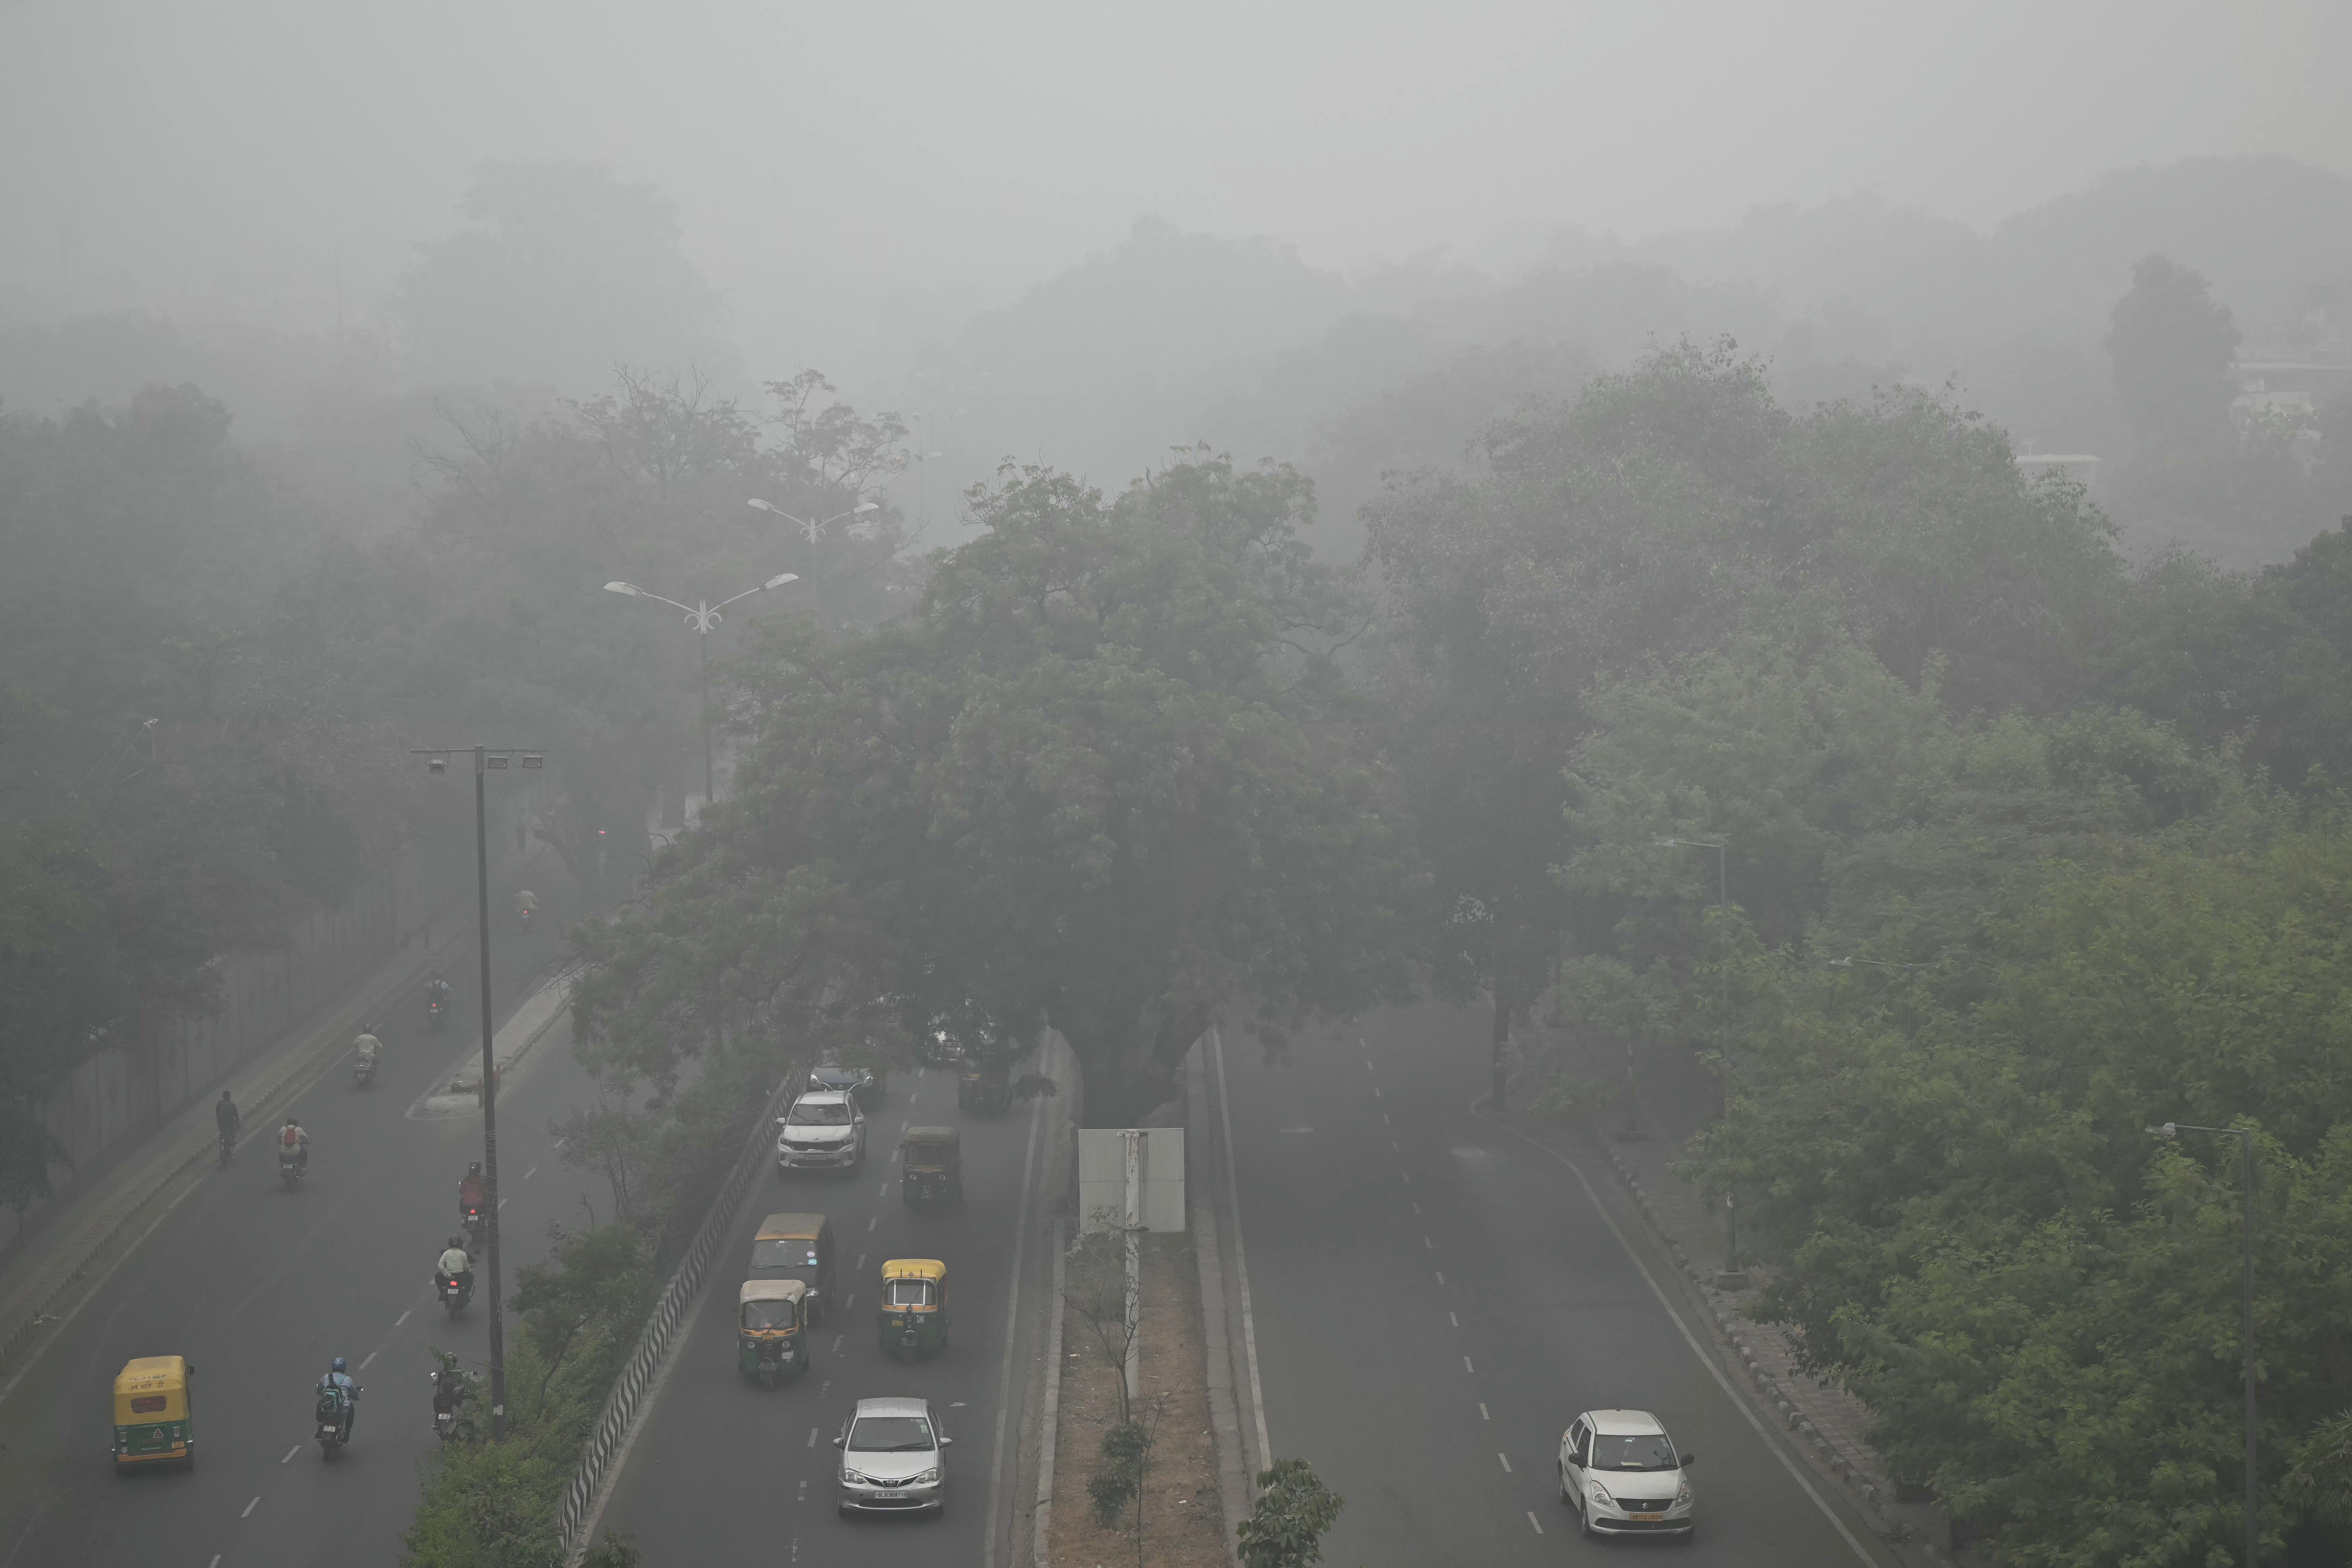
[
  {"x": 702, "y": 619},
  {"x": 485, "y": 759},
  {"x": 2246, "y": 1137},
  {"x": 818, "y": 527}
]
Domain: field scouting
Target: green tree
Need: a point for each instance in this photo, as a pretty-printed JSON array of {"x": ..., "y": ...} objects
[
  {"x": 2173, "y": 348},
  {"x": 595, "y": 1288},
  {"x": 1293, "y": 1512}
]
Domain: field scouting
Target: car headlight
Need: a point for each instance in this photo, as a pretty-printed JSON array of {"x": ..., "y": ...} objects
[
  {"x": 1601, "y": 1492},
  {"x": 854, "y": 1478},
  {"x": 927, "y": 1477},
  {"x": 1682, "y": 1496}
]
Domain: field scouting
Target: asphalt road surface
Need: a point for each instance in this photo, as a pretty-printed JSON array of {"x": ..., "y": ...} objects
[
  {"x": 259, "y": 1288},
  {"x": 1434, "y": 1301},
  {"x": 722, "y": 1472}
]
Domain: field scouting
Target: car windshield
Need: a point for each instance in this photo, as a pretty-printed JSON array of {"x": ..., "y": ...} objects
[
  {"x": 827, "y": 1115},
  {"x": 834, "y": 1078},
  {"x": 767, "y": 1314},
  {"x": 795, "y": 1259},
  {"x": 907, "y": 1293},
  {"x": 890, "y": 1434},
  {"x": 1652, "y": 1452}
]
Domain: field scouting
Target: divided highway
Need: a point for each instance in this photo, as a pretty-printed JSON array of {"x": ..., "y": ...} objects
[
  {"x": 259, "y": 1286},
  {"x": 1434, "y": 1301},
  {"x": 722, "y": 1472}
]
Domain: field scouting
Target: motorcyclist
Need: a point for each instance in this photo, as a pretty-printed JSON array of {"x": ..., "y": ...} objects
[
  {"x": 294, "y": 1142},
  {"x": 225, "y": 1112},
  {"x": 448, "y": 1385},
  {"x": 338, "y": 1380},
  {"x": 456, "y": 1264},
  {"x": 469, "y": 1192},
  {"x": 526, "y": 905},
  {"x": 437, "y": 990},
  {"x": 369, "y": 1048}
]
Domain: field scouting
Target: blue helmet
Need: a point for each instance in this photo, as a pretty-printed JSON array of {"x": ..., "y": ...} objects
[{"x": 339, "y": 1363}]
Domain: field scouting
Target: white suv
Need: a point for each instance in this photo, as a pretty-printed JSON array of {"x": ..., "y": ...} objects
[
  {"x": 821, "y": 1133},
  {"x": 1620, "y": 1471}
]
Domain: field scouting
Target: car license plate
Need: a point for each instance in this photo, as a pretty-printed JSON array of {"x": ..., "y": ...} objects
[{"x": 1645, "y": 1518}]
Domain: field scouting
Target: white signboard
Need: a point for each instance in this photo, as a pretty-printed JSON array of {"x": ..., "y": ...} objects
[{"x": 1104, "y": 1178}]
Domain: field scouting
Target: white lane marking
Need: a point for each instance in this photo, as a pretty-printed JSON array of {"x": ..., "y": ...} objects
[
  {"x": 1240, "y": 1258},
  {"x": 1506, "y": 1463},
  {"x": 1482, "y": 1412},
  {"x": 1416, "y": 1208},
  {"x": 1688, "y": 1338},
  {"x": 812, "y": 1442},
  {"x": 836, "y": 1342},
  {"x": 1440, "y": 1278},
  {"x": 803, "y": 1497},
  {"x": 885, "y": 1188},
  {"x": 1453, "y": 1320},
  {"x": 1408, "y": 1177},
  {"x": 249, "y": 1508},
  {"x": 402, "y": 1319},
  {"x": 1011, "y": 1319},
  {"x": 1376, "y": 1091},
  {"x": 290, "y": 1453},
  {"x": 861, "y": 1261},
  {"x": 214, "y": 1563},
  {"x": 502, "y": 1203},
  {"x": 1428, "y": 1245},
  {"x": 1532, "y": 1519},
  {"x": 527, "y": 1175},
  {"x": 1468, "y": 1367},
  {"x": 371, "y": 1356},
  {"x": 869, "y": 1224},
  {"x": 1384, "y": 1119}
]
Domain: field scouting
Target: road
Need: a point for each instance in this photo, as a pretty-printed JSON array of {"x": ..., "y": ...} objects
[
  {"x": 721, "y": 1471},
  {"x": 259, "y": 1288},
  {"x": 1436, "y": 1300}
]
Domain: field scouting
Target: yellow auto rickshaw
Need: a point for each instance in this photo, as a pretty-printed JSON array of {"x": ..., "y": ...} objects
[
  {"x": 914, "y": 1312},
  {"x": 772, "y": 1330},
  {"x": 151, "y": 1425},
  {"x": 931, "y": 1166},
  {"x": 983, "y": 1088}
]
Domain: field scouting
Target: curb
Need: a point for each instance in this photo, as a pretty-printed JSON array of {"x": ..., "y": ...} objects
[
  {"x": 1234, "y": 1492},
  {"x": 1862, "y": 1488},
  {"x": 1050, "y": 1411},
  {"x": 167, "y": 1176}
]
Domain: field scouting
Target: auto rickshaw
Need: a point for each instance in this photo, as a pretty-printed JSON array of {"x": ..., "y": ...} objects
[
  {"x": 913, "y": 1319},
  {"x": 981, "y": 1089},
  {"x": 931, "y": 1165},
  {"x": 151, "y": 1425},
  {"x": 770, "y": 1324}
]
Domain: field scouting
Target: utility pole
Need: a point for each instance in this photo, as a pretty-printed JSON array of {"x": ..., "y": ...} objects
[{"x": 485, "y": 759}]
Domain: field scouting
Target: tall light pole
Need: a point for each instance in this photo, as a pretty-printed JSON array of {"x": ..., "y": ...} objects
[
  {"x": 2246, "y": 1137},
  {"x": 485, "y": 759},
  {"x": 813, "y": 530},
  {"x": 1731, "y": 1270},
  {"x": 702, "y": 619}
]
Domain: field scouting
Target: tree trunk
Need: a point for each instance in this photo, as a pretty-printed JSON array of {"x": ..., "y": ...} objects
[{"x": 1498, "y": 1096}]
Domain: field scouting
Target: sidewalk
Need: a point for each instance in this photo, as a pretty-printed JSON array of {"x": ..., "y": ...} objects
[{"x": 58, "y": 1268}]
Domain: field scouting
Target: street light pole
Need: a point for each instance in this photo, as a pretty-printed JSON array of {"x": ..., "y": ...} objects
[
  {"x": 815, "y": 528},
  {"x": 485, "y": 758},
  {"x": 1731, "y": 1270},
  {"x": 702, "y": 618},
  {"x": 2246, "y": 1137}
]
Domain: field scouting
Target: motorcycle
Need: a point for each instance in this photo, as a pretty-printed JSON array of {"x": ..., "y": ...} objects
[
  {"x": 454, "y": 1292},
  {"x": 362, "y": 1071},
  {"x": 290, "y": 1169},
  {"x": 474, "y": 1224},
  {"x": 526, "y": 921},
  {"x": 445, "y": 1400},
  {"x": 333, "y": 1417},
  {"x": 432, "y": 1014}
]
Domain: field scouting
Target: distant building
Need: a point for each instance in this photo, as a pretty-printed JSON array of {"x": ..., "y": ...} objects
[
  {"x": 2293, "y": 380},
  {"x": 2080, "y": 466}
]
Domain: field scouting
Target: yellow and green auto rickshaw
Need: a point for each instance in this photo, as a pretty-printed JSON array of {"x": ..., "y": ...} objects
[
  {"x": 772, "y": 1331},
  {"x": 151, "y": 1425},
  {"x": 914, "y": 1313},
  {"x": 931, "y": 1165},
  {"x": 983, "y": 1088}
]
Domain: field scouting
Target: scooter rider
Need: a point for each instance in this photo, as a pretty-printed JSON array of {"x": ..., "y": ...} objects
[
  {"x": 456, "y": 1265},
  {"x": 526, "y": 905},
  {"x": 369, "y": 1048},
  {"x": 225, "y": 1112},
  {"x": 294, "y": 1143},
  {"x": 469, "y": 1193},
  {"x": 338, "y": 1381},
  {"x": 437, "y": 990}
]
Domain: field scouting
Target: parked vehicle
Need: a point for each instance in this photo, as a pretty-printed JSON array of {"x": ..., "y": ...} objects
[
  {"x": 931, "y": 1166},
  {"x": 797, "y": 1247},
  {"x": 152, "y": 1425},
  {"x": 893, "y": 1459},
  {"x": 1621, "y": 1474},
  {"x": 913, "y": 1320},
  {"x": 771, "y": 1337},
  {"x": 821, "y": 1133}
]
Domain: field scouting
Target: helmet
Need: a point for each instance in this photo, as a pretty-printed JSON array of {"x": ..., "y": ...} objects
[
  {"x": 474, "y": 1168},
  {"x": 456, "y": 1241},
  {"x": 291, "y": 1121},
  {"x": 224, "y": 1094},
  {"x": 339, "y": 1363}
]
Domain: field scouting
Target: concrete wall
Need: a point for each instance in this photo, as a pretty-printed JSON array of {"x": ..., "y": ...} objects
[{"x": 123, "y": 1094}]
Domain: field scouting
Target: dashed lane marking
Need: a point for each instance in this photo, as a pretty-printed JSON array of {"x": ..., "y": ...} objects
[
  {"x": 1468, "y": 1367},
  {"x": 527, "y": 1175},
  {"x": 1376, "y": 1091},
  {"x": 249, "y": 1508},
  {"x": 1456, "y": 1322},
  {"x": 371, "y": 1356},
  {"x": 1428, "y": 1244},
  {"x": 402, "y": 1319},
  {"x": 1534, "y": 1521},
  {"x": 869, "y": 1224},
  {"x": 1482, "y": 1412},
  {"x": 1506, "y": 1458},
  {"x": 290, "y": 1453},
  {"x": 812, "y": 1442},
  {"x": 1441, "y": 1276},
  {"x": 861, "y": 1262}
]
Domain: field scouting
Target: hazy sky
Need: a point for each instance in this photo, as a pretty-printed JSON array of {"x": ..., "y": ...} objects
[{"x": 838, "y": 161}]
